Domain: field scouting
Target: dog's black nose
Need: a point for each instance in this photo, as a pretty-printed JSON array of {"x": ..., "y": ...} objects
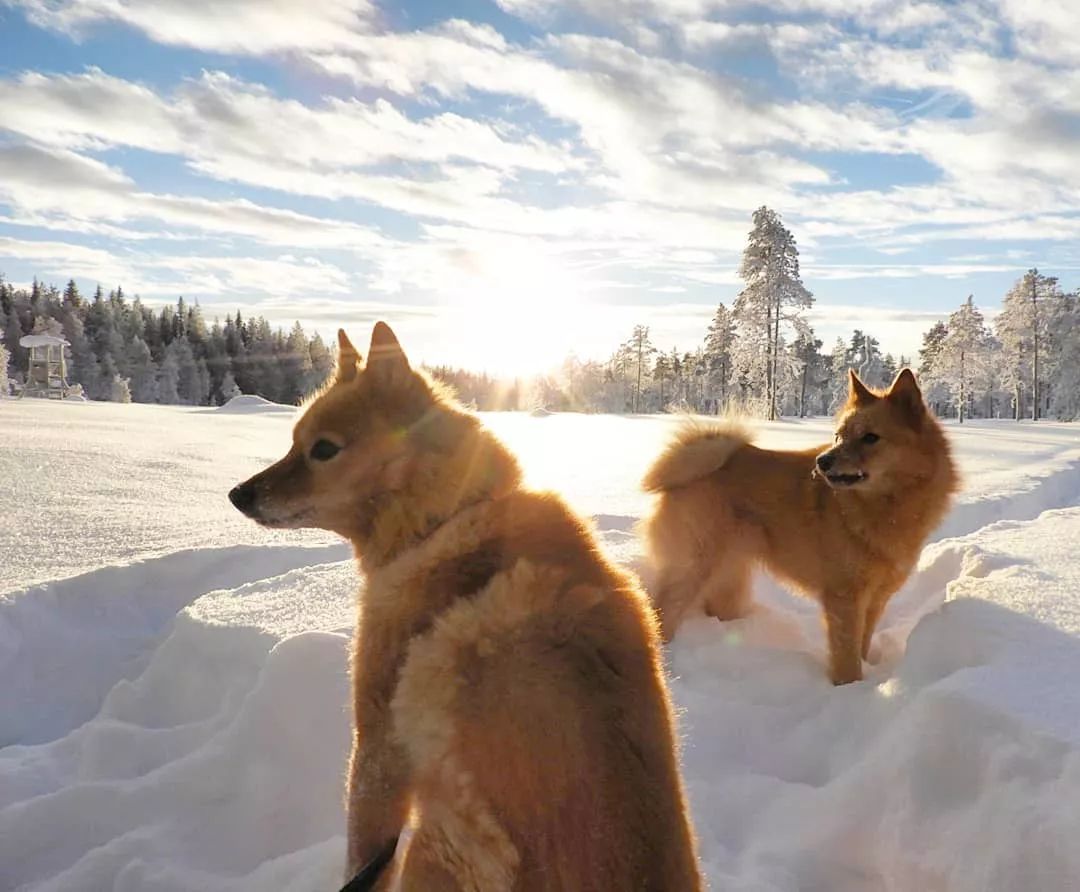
[
  {"x": 243, "y": 497},
  {"x": 824, "y": 461}
]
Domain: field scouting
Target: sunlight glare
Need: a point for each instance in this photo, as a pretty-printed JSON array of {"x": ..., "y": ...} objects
[{"x": 521, "y": 314}]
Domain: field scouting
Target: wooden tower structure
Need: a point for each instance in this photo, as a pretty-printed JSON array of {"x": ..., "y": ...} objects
[{"x": 46, "y": 375}]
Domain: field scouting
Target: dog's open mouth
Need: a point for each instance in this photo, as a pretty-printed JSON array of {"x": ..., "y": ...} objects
[{"x": 846, "y": 479}]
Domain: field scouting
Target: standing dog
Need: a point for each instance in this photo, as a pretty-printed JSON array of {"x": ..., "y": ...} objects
[
  {"x": 509, "y": 699},
  {"x": 844, "y": 523}
]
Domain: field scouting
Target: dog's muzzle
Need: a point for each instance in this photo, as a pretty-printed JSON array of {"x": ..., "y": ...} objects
[
  {"x": 243, "y": 498},
  {"x": 824, "y": 467}
]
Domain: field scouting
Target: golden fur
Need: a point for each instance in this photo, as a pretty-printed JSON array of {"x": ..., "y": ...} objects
[
  {"x": 509, "y": 698},
  {"x": 848, "y": 537}
]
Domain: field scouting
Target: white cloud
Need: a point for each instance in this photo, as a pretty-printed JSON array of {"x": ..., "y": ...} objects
[
  {"x": 634, "y": 110},
  {"x": 285, "y": 278},
  {"x": 904, "y": 271},
  {"x": 883, "y": 16},
  {"x": 236, "y": 26},
  {"x": 1009, "y": 157},
  {"x": 62, "y": 260},
  {"x": 218, "y": 116},
  {"x": 70, "y": 191},
  {"x": 899, "y": 329},
  {"x": 1045, "y": 30}
]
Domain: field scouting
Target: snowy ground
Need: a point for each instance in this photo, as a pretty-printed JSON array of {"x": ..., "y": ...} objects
[{"x": 174, "y": 708}]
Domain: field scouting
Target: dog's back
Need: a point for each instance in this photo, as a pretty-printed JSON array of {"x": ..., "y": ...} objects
[{"x": 535, "y": 712}]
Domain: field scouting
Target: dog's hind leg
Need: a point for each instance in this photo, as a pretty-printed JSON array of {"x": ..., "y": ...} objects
[
  {"x": 726, "y": 592},
  {"x": 676, "y": 594}
]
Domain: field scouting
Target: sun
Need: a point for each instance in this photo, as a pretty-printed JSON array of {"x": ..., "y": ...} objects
[{"x": 522, "y": 317}]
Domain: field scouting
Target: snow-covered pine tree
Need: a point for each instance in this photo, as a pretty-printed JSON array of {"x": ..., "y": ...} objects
[
  {"x": 1021, "y": 328},
  {"x": 809, "y": 367},
  {"x": 662, "y": 375},
  {"x": 98, "y": 327},
  {"x": 168, "y": 379},
  {"x": 12, "y": 333},
  {"x": 889, "y": 368},
  {"x": 322, "y": 363},
  {"x": 295, "y": 366},
  {"x": 4, "y": 359},
  {"x": 132, "y": 322},
  {"x": 864, "y": 355},
  {"x": 838, "y": 374},
  {"x": 934, "y": 393},
  {"x": 140, "y": 364},
  {"x": 202, "y": 373},
  {"x": 1064, "y": 359},
  {"x": 963, "y": 355},
  {"x": 229, "y": 390},
  {"x": 72, "y": 300},
  {"x": 120, "y": 392},
  {"x": 191, "y": 387},
  {"x": 718, "y": 357},
  {"x": 678, "y": 379},
  {"x": 750, "y": 367},
  {"x": 195, "y": 329},
  {"x": 774, "y": 295},
  {"x": 640, "y": 349},
  {"x": 263, "y": 353},
  {"x": 48, "y": 326},
  {"x": 217, "y": 359},
  {"x": 108, "y": 372}
]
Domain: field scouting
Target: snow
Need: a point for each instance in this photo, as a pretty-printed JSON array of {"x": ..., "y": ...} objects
[
  {"x": 956, "y": 766},
  {"x": 88, "y": 485},
  {"x": 248, "y": 404},
  {"x": 174, "y": 714},
  {"x": 42, "y": 340}
]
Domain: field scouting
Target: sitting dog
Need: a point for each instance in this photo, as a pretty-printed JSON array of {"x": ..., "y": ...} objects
[{"x": 510, "y": 703}]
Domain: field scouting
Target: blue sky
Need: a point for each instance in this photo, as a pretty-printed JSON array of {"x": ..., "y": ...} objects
[{"x": 509, "y": 180}]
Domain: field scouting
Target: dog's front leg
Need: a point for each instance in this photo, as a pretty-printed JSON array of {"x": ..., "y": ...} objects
[
  {"x": 874, "y": 609},
  {"x": 378, "y": 795},
  {"x": 845, "y": 615}
]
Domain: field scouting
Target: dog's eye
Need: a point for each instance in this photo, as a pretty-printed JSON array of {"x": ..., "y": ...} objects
[
  {"x": 870, "y": 439},
  {"x": 324, "y": 450}
]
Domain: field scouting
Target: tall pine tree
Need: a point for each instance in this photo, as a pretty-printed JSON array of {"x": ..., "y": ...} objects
[{"x": 774, "y": 295}]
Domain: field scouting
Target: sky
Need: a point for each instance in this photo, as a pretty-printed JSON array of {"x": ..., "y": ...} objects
[{"x": 507, "y": 181}]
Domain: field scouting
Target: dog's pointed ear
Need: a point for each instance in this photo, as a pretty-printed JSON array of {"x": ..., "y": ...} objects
[
  {"x": 904, "y": 391},
  {"x": 904, "y": 384},
  {"x": 348, "y": 359},
  {"x": 386, "y": 360},
  {"x": 859, "y": 393}
]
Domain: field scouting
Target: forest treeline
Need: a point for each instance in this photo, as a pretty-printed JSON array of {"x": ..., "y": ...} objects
[{"x": 759, "y": 356}]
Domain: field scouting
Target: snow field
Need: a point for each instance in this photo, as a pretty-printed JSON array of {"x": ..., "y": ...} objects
[{"x": 180, "y": 722}]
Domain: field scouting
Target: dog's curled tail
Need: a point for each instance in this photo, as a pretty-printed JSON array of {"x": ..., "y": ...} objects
[{"x": 696, "y": 451}]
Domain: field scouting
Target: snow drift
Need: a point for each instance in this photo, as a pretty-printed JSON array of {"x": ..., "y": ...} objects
[
  {"x": 180, "y": 721},
  {"x": 249, "y": 404}
]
